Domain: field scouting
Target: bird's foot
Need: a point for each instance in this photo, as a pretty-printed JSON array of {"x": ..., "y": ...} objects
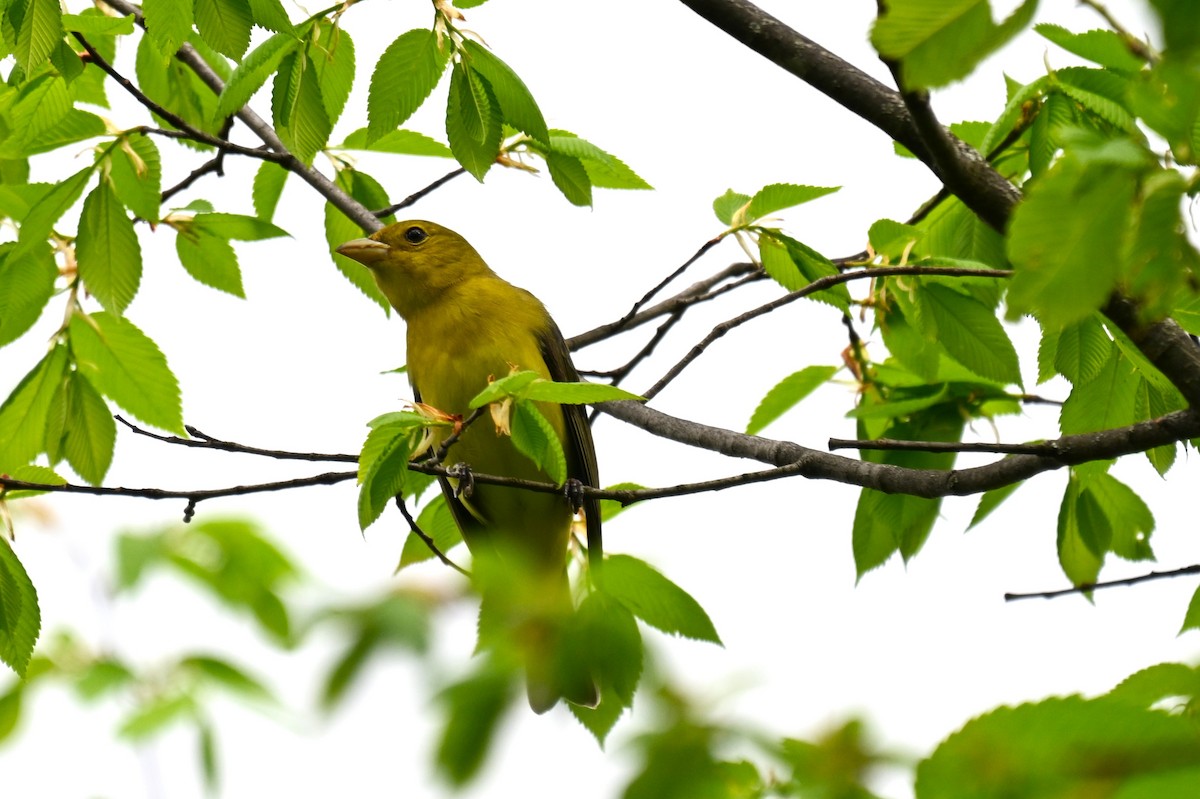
[
  {"x": 464, "y": 478},
  {"x": 573, "y": 491}
]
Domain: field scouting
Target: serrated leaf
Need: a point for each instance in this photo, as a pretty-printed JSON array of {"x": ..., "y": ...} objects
[
  {"x": 40, "y": 32},
  {"x": 98, "y": 24},
  {"x": 174, "y": 86},
  {"x": 1100, "y": 92},
  {"x": 74, "y": 126},
  {"x": 472, "y": 122},
  {"x": 404, "y": 77},
  {"x": 1103, "y": 47},
  {"x": 252, "y": 73},
  {"x": 39, "y": 107},
  {"x": 37, "y": 224},
  {"x": 1063, "y": 239},
  {"x": 605, "y": 171},
  {"x": 339, "y": 229},
  {"x": 1104, "y": 402},
  {"x": 168, "y": 23},
  {"x": 1082, "y": 350},
  {"x": 778, "y": 196},
  {"x": 269, "y": 181},
  {"x": 534, "y": 437},
  {"x": 806, "y": 265},
  {"x": 971, "y": 333},
  {"x": 517, "y": 105},
  {"x": 28, "y": 285},
  {"x": 80, "y": 428},
  {"x": 1127, "y": 514},
  {"x": 571, "y": 178},
  {"x": 1076, "y": 553},
  {"x": 892, "y": 239},
  {"x": 23, "y": 414},
  {"x": 606, "y": 638},
  {"x": 20, "y": 617},
  {"x": 270, "y": 14},
  {"x": 383, "y": 467},
  {"x": 574, "y": 393},
  {"x": 136, "y": 171},
  {"x": 941, "y": 41},
  {"x": 656, "y": 600},
  {"x": 210, "y": 259},
  {"x": 883, "y": 522},
  {"x": 237, "y": 226},
  {"x": 107, "y": 249},
  {"x": 332, "y": 58},
  {"x": 511, "y": 385},
  {"x": 990, "y": 500},
  {"x": 128, "y": 368},
  {"x": 786, "y": 394},
  {"x": 299, "y": 108},
  {"x": 225, "y": 25},
  {"x": 400, "y": 142},
  {"x": 729, "y": 204}
]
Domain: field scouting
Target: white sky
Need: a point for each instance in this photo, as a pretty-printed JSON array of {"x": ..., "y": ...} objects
[{"x": 917, "y": 650}]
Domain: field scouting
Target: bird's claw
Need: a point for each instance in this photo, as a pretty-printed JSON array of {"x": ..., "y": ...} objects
[
  {"x": 464, "y": 485},
  {"x": 573, "y": 491}
]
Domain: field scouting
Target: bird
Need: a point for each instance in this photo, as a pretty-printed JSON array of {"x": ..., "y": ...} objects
[{"x": 466, "y": 326}]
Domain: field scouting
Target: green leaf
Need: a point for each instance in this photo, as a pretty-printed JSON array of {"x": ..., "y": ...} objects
[
  {"x": 40, "y": 105},
  {"x": 1083, "y": 350},
  {"x": 28, "y": 285},
  {"x": 941, "y": 41},
  {"x": 885, "y": 523},
  {"x": 534, "y": 437},
  {"x": 571, "y": 178},
  {"x": 225, "y": 25},
  {"x": 400, "y": 142},
  {"x": 32, "y": 474},
  {"x": 1052, "y": 748},
  {"x": 472, "y": 121},
  {"x": 607, "y": 639},
  {"x": 210, "y": 259},
  {"x": 605, "y": 171},
  {"x": 1153, "y": 684},
  {"x": 437, "y": 522},
  {"x": 1103, "y": 403},
  {"x": 20, "y": 617},
  {"x": 609, "y": 508},
  {"x": 298, "y": 108},
  {"x": 98, "y": 24},
  {"x": 332, "y": 58},
  {"x": 80, "y": 428},
  {"x": 1063, "y": 241},
  {"x": 1099, "y": 91},
  {"x": 474, "y": 707},
  {"x": 404, "y": 77},
  {"x": 1191, "y": 619},
  {"x": 582, "y": 393},
  {"x": 508, "y": 386},
  {"x": 223, "y": 673},
  {"x": 270, "y": 14},
  {"x": 269, "y": 181},
  {"x": 656, "y": 600},
  {"x": 136, "y": 171},
  {"x": 517, "y": 105},
  {"x": 107, "y": 249},
  {"x": 40, "y": 32},
  {"x": 382, "y": 468},
  {"x": 252, "y": 73},
  {"x": 168, "y": 23},
  {"x": 1103, "y": 47},
  {"x": 155, "y": 714},
  {"x": 971, "y": 333},
  {"x": 23, "y": 415},
  {"x": 128, "y": 368},
  {"x": 990, "y": 500},
  {"x": 787, "y": 393},
  {"x": 1077, "y": 542},
  {"x": 778, "y": 196},
  {"x": 74, "y": 126},
  {"x": 339, "y": 229},
  {"x": 801, "y": 266},
  {"x": 237, "y": 226},
  {"x": 1128, "y": 516},
  {"x": 892, "y": 239},
  {"x": 37, "y": 224},
  {"x": 728, "y": 204}
]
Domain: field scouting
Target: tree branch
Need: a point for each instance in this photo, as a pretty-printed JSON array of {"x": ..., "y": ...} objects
[
  {"x": 820, "y": 284},
  {"x": 1047, "y": 450},
  {"x": 1089, "y": 587},
  {"x": 203, "y": 441}
]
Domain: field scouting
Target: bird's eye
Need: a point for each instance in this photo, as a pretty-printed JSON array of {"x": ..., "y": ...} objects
[{"x": 415, "y": 235}]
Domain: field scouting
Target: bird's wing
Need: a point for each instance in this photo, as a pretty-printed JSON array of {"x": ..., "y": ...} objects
[{"x": 578, "y": 447}]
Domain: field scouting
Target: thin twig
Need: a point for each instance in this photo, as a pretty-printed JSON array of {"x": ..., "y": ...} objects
[
  {"x": 820, "y": 284},
  {"x": 451, "y": 439},
  {"x": 417, "y": 195},
  {"x": 193, "y": 496},
  {"x": 421, "y": 534},
  {"x": 204, "y": 441},
  {"x": 1044, "y": 450},
  {"x": 1089, "y": 587}
]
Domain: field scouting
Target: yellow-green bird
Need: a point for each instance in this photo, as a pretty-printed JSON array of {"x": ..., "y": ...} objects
[{"x": 467, "y": 325}]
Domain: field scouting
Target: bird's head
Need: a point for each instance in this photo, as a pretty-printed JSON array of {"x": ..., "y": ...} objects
[{"x": 414, "y": 262}]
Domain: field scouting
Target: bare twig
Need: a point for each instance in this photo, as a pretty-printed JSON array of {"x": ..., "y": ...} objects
[
  {"x": 1085, "y": 588},
  {"x": 1045, "y": 450},
  {"x": 203, "y": 441},
  {"x": 820, "y": 284},
  {"x": 193, "y": 496},
  {"x": 421, "y": 534},
  {"x": 418, "y": 195}
]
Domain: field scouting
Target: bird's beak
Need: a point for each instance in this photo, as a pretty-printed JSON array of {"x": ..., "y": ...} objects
[{"x": 367, "y": 252}]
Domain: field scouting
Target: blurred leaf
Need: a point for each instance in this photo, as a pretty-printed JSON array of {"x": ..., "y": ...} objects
[
  {"x": 474, "y": 707},
  {"x": 221, "y": 672},
  {"x": 656, "y": 600},
  {"x": 102, "y": 677},
  {"x": 154, "y": 714},
  {"x": 437, "y": 522},
  {"x": 1103, "y": 47},
  {"x": 607, "y": 639}
]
